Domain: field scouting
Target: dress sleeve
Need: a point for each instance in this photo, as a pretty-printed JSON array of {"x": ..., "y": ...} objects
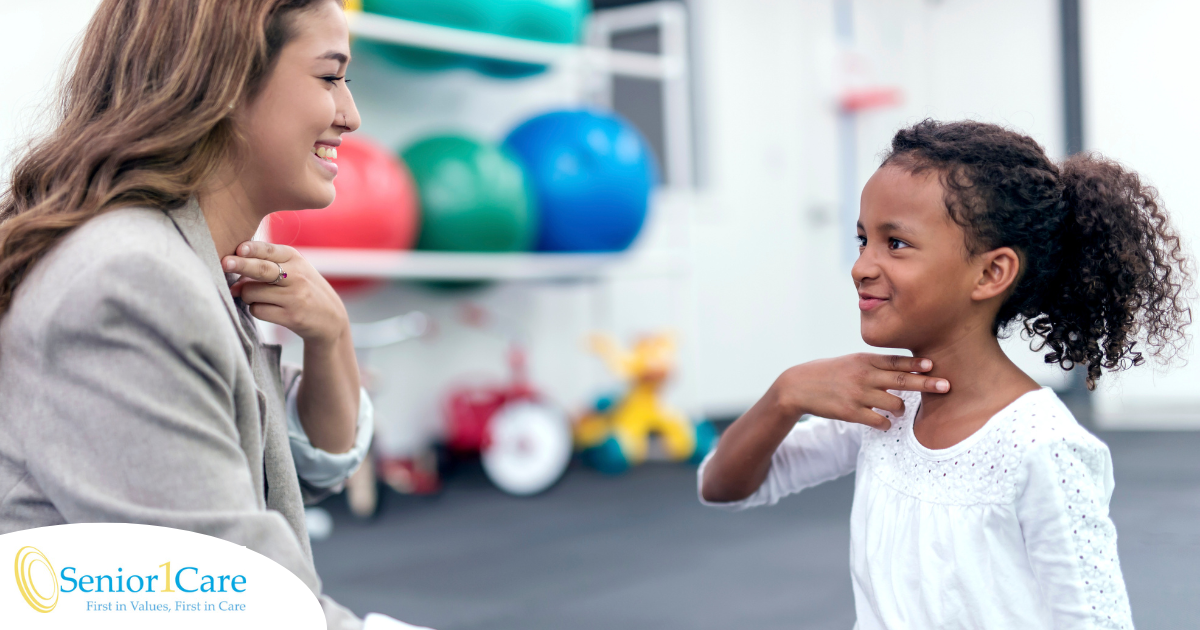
[
  {"x": 1069, "y": 538},
  {"x": 316, "y": 467},
  {"x": 815, "y": 451}
]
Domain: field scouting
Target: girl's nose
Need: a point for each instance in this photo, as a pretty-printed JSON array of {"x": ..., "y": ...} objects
[{"x": 864, "y": 267}]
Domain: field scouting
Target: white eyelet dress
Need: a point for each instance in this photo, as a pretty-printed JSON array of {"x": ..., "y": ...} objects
[{"x": 1006, "y": 529}]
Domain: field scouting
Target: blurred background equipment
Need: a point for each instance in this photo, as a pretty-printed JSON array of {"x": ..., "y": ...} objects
[
  {"x": 523, "y": 441},
  {"x": 593, "y": 174},
  {"x": 474, "y": 197},
  {"x": 553, "y": 21},
  {"x": 362, "y": 493},
  {"x": 617, "y": 433}
]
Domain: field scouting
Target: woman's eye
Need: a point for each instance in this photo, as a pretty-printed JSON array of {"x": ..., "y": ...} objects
[
  {"x": 895, "y": 243},
  {"x": 333, "y": 79},
  {"x": 862, "y": 240}
]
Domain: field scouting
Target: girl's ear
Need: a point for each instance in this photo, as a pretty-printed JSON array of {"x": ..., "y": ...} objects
[{"x": 998, "y": 273}]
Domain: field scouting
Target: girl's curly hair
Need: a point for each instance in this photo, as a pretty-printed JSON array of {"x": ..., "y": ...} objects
[{"x": 1101, "y": 268}]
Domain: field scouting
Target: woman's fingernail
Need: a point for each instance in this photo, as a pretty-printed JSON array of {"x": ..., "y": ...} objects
[
  {"x": 942, "y": 386},
  {"x": 926, "y": 364},
  {"x": 245, "y": 250},
  {"x": 229, "y": 265}
]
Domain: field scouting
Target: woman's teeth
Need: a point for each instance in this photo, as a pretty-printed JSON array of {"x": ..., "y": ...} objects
[{"x": 327, "y": 153}]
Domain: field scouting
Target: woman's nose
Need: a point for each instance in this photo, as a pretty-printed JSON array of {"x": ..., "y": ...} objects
[{"x": 348, "y": 118}]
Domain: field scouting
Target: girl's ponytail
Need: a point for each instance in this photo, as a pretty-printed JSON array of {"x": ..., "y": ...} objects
[
  {"x": 1101, "y": 268},
  {"x": 1122, "y": 276}
]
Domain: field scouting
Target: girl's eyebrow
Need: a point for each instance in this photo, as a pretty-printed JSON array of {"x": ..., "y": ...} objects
[
  {"x": 336, "y": 56},
  {"x": 892, "y": 226}
]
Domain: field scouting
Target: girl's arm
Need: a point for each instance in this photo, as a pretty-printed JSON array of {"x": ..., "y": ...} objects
[
  {"x": 1069, "y": 538},
  {"x": 845, "y": 388}
]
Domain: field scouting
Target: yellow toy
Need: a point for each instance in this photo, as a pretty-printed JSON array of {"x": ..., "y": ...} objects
[{"x": 616, "y": 434}]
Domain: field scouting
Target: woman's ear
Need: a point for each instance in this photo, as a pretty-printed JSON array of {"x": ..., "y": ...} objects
[{"x": 998, "y": 272}]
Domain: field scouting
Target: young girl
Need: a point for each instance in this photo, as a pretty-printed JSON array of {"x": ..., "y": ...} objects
[{"x": 979, "y": 501}]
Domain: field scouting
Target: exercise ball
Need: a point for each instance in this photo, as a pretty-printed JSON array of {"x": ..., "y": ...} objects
[
  {"x": 473, "y": 196},
  {"x": 555, "y": 21},
  {"x": 468, "y": 15},
  {"x": 592, "y": 173},
  {"x": 375, "y": 206}
]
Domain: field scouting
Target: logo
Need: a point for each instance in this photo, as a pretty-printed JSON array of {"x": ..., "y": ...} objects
[
  {"x": 25, "y": 566},
  {"x": 121, "y": 575}
]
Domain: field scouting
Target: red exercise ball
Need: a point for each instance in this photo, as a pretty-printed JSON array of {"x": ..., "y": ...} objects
[{"x": 376, "y": 206}]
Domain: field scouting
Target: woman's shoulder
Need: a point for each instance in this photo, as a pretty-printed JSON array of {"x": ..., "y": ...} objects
[
  {"x": 131, "y": 230},
  {"x": 132, "y": 254}
]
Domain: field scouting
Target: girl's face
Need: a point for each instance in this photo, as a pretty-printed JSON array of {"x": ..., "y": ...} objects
[
  {"x": 917, "y": 286},
  {"x": 304, "y": 106}
]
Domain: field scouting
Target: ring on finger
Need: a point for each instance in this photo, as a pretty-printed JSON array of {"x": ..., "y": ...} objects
[{"x": 282, "y": 275}]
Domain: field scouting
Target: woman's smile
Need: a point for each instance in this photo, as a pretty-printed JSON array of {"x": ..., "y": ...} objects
[{"x": 325, "y": 152}]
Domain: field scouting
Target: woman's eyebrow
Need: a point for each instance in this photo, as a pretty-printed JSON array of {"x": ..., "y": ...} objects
[{"x": 339, "y": 57}]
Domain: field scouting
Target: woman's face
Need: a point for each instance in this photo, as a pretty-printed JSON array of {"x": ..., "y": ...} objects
[
  {"x": 915, "y": 281},
  {"x": 303, "y": 108}
]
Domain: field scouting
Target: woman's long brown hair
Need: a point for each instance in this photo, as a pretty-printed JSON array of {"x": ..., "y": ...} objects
[{"x": 144, "y": 118}]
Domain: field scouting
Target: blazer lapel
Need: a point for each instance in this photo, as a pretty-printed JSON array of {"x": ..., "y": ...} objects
[{"x": 190, "y": 221}]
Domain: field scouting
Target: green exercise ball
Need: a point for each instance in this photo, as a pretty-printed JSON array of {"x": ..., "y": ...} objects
[{"x": 474, "y": 196}]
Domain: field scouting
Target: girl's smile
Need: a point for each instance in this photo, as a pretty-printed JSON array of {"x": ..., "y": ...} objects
[{"x": 868, "y": 302}]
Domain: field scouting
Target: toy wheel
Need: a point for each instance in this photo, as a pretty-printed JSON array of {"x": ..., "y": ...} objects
[{"x": 529, "y": 449}]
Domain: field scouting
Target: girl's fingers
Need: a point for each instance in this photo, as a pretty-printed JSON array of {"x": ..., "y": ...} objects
[
  {"x": 896, "y": 363},
  {"x": 872, "y": 419},
  {"x": 904, "y": 381},
  {"x": 886, "y": 401}
]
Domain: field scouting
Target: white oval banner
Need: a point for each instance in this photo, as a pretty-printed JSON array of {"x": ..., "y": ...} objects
[{"x": 117, "y": 575}]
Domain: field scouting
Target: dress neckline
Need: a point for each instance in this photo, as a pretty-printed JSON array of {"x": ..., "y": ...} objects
[{"x": 970, "y": 440}]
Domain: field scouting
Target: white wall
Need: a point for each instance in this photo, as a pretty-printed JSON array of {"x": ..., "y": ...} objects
[
  {"x": 1140, "y": 108},
  {"x": 38, "y": 37}
]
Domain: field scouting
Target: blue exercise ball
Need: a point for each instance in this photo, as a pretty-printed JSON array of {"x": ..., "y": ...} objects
[{"x": 592, "y": 173}]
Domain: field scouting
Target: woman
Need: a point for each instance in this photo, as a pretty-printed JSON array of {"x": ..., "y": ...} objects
[{"x": 133, "y": 387}]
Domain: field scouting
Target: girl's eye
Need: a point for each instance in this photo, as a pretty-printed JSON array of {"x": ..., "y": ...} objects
[
  {"x": 895, "y": 243},
  {"x": 332, "y": 79},
  {"x": 862, "y": 240}
]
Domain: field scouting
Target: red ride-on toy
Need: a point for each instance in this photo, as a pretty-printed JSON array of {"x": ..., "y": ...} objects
[{"x": 524, "y": 443}]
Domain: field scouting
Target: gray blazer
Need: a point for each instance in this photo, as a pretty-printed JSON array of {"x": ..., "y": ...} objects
[{"x": 133, "y": 389}]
